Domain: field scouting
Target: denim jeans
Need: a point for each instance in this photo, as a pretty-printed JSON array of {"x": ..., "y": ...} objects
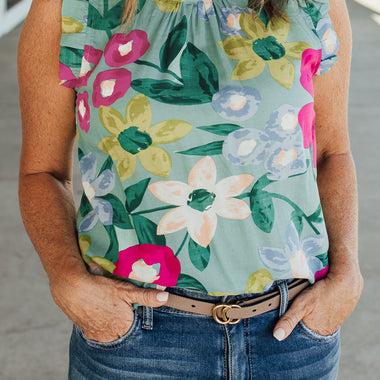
[{"x": 165, "y": 343}]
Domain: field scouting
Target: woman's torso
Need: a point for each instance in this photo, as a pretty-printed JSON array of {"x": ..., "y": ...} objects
[{"x": 196, "y": 144}]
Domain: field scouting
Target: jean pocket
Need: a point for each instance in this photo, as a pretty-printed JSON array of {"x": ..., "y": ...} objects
[
  {"x": 316, "y": 336},
  {"x": 115, "y": 344}
]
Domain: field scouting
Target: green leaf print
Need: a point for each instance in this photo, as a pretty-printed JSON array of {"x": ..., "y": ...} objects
[
  {"x": 261, "y": 204},
  {"x": 85, "y": 206},
  {"x": 120, "y": 216},
  {"x": 80, "y": 154},
  {"x": 198, "y": 71},
  {"x": 140, "y": 5},
  {"x": 324, "y": 258},
  {"x": 297, "y": 221},
  {"x": 220, "y": 129},
  {"x": 71, "y": 57},
  {"x": 108, "y": 163},
  {"x": 186, "y": 281},
  {"x": 313, "y": 12},
  {"x": 209, "y": 149},
  {"x": 166, "y": 91},
  {"x": 109, "y": 20},
  {"x": 199, "y": 256},
  {"x": 316, "y": 215},
  {"x": 173, "y": 44},
  {"x": 135, "y": 193},
  {"x": 112, "y": 253},
  {"x": 146, "y": 231}
]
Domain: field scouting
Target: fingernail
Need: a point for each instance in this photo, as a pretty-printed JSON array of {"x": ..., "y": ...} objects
[
  {"x": 162, "y": 296},
  {"x": 279, "y": 334}
]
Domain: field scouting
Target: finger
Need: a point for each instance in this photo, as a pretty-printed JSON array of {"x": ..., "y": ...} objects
[
  {"x": 296, "y": 312},
  {"x": 145, "y": 296}
]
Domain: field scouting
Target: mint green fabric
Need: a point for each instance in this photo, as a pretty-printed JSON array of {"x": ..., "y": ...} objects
[{"x": 196, "y": 141}]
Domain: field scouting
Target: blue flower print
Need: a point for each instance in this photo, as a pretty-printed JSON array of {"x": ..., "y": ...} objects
[
  {"x": 236, "y": 103},
  {"x": 329, "y": 43},
  {"x": 284, "y": 162},
  {"x": 230, "y": 21},
  {"x": 297, "y": 259},
  {"x": 283, "y": 124},
  {"x": 95, "y": 188},
  {"x": 245, "y": 146},
  {"x": 205, "y": 9}
]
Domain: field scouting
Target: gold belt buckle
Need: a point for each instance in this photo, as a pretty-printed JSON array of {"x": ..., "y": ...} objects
[{"x": 223, "y": 307}]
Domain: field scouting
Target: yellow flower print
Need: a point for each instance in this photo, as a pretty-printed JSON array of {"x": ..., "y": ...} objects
[
  {"x": 70, "y": 25},
  {"x": 96, "y": 264},
  {"x": 168, "y": 5},
  {"x": 133, "y": 138},
  {"x": 263, "y": 45}
]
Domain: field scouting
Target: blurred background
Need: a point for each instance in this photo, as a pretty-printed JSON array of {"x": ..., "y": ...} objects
[{"x": 35, "y": 333}]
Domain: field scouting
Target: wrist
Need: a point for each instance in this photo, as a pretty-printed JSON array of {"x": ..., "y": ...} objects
[{"x": 70, "y": 270}]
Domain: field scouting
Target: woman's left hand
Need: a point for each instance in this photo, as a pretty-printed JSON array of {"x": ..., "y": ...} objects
[{"x": 324, "y": 306}]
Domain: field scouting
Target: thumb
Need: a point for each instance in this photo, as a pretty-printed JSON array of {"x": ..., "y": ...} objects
[
  {"x": 146, "y": 296},
  {"x": 289, "y": 320}
]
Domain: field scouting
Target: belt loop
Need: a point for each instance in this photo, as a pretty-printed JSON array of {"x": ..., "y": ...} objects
[
  {"x": 147, "y": 318},
  {"x": 284, "y": 297}
]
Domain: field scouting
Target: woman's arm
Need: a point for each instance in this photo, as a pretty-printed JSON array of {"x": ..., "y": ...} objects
[
  {"x": 330, "y": 301},
  {"x": 100, "y": 306}
]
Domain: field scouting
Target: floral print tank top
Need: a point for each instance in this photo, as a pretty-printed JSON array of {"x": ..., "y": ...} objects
[{"x": 196, "y": 141}]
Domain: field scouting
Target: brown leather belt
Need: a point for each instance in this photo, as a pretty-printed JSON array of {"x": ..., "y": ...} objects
[{"x": 224, "y": 313}]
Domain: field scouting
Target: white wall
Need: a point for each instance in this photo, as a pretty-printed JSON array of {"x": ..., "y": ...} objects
[{"x": 9, "y": 18}]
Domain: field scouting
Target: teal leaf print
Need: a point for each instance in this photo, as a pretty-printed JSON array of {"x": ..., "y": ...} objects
[
  {"x": 198, "y": 70},
  {"x": 147, "y": 231},
  {"x": 80, "y": 154},
  {"x": 112, "y": 253},
  {"x": 313, "y": 12},
  {"x": 221, "y": 129},
  {"x": 199, "y": 256},
  {"x": 297, "y": 221},
  {"x": 135, "y": 193},
  {"x": 324, "y": 258},
  {"x": 71, "y": 57},
  {"x": 140, "y": 6},
  {"x": 108, "y": 163},
  {"x": 166, "y": 91},
  {"x": 316, "y": 215},
  {"x": 209, "y": 149},
  {"x": 173, "y": 44},
  {"x": 262, "y": 182},
  {"x": 109, "y": 20},
  {"x": 186, "y": 281},
  {"x": 85, "y": 205},
  {"x": 120, "y": 215},
  {"x": 261, "y": 204}
]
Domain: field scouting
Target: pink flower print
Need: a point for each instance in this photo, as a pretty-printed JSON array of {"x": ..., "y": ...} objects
[
  {"x": 309, "y": 67},
  {"x": 83, "y": 110},
  {"x": 66, "y": 76},
  {"x": 306, "y": 118},
  {"x": 149, "y": 263},
  {"x": 321, "y": 273},
  {"x": 124, "y": 49},
  {"x": 110, "y": 85},
  {"x": 90, "y": 60},
  {"x": 311, "y": 60},
  {"x": 201, "y": 200}
]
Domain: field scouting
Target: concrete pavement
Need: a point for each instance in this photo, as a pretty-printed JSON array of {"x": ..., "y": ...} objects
[{"x": 35, "y": 333}]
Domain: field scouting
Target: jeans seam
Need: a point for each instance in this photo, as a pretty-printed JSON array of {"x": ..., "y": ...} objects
[
  {"x": 248, "y": 345},
  {"x": 226, "y": 353}
]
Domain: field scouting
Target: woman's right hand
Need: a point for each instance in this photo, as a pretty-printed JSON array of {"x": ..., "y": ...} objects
[{"x": 102, "y": 307}]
